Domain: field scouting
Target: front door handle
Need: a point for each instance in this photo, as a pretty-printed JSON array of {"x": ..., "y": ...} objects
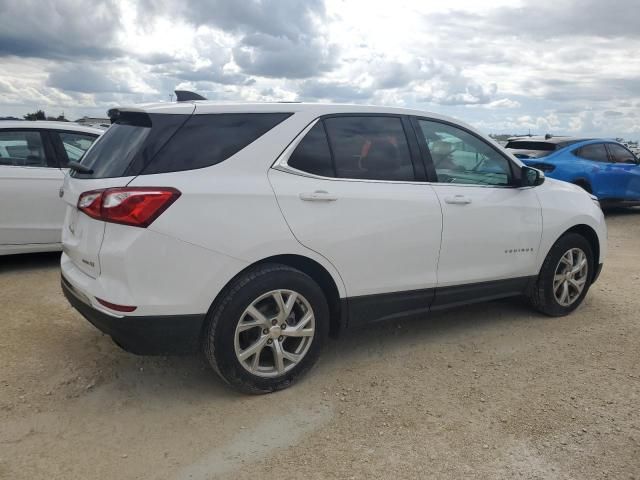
[
  {"x": 458, "y": 200},
  {"x": 318, "y": 196}
]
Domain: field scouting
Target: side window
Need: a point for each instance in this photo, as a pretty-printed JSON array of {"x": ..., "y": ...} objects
[
  {"x": 459, "y": 157},
  {"x": 312, "y": 155},
  {"x": 370, "y": 148},
  {"x": 621, "y": 154},
  {"x": 75, "y": 144},
  {"x": 208, "y": 139},
  {"x": 595, "y": 152},
  {"x": 22, "y": 148}
]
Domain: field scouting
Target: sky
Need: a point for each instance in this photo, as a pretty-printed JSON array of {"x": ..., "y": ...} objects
[{"x": 561, "y": 67}]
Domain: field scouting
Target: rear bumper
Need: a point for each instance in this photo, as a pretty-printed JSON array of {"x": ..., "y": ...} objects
[{"x": 142, "y": 335}]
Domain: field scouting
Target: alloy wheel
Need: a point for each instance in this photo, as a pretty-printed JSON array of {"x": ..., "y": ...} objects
[
  {"x": 274, "y": 333},
  {"x": 570, "y": 277}
]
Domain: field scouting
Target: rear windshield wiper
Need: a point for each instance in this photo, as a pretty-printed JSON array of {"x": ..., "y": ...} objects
[{"x": 78, "y": 167}]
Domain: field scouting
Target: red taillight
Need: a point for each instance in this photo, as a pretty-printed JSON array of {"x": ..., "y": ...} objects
[
  {"x": 91, "y": 203},
  {"x": 116, "y": 307},
  {"x": 135, "y": 206}
]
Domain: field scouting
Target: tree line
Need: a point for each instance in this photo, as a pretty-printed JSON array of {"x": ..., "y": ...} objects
[{"x": 40, "y": 115}]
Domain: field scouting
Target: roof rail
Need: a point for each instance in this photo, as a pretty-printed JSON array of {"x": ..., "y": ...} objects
[{"x": 186, "y": 95}]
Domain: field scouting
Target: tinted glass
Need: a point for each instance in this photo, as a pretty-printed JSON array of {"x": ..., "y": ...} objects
[
  {"x": 312, "y": 154},
  {"x": 22, "y": 149},
  {"x": 531, "y": 145},
  {"x": 368, "y": 147},
  {"x": 595, "y": 152},
  {"x": 460, "y": 157},
  {"x": 206, "y": 140},
  {"x": 129, "y": 144},
  {"x": 621, "y": 154},
  {"x": 75, "y": 144}
]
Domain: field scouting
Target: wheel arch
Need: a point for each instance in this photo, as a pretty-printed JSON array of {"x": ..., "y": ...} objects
[
  {"x": 590, "y": 235},
  {"x": 317, "y": 272}
]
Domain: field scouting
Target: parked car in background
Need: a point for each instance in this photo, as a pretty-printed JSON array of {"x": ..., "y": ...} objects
[
  {"x": 604, "y": 168},
  {"x": 33, "y": 163},
  {"x": 252, "y": 231}
]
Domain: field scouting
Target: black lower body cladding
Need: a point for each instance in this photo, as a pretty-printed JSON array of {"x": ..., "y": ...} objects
[{"x": 148, "y": 335}]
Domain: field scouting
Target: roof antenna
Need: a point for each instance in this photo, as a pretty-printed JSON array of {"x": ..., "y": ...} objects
[{"x": 186, "y": 95}]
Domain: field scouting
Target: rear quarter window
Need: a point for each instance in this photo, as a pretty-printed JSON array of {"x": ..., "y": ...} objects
[
  {"x": 144, "y": 144},
  {"x": 206, "y": 140}
]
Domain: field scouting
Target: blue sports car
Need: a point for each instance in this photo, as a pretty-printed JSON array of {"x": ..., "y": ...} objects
[{"x": 605, "y": 168}]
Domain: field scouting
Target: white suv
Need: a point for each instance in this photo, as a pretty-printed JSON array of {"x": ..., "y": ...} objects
[{"x": 254, "y": 231}]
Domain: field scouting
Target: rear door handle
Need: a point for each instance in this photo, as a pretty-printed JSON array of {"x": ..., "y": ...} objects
[
  {"x": 458, "y": 200},
  {"x": 318, "y": 196}
]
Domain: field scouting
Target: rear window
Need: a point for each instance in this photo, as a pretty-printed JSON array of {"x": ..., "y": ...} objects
[
  {"x": 143, "y": 144},
  {"x": 528, "y": 145}
]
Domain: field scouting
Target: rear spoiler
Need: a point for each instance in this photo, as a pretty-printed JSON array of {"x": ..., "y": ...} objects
[
  {"x": 116, "y": 113},
  {"x": 181, "y": 96}
]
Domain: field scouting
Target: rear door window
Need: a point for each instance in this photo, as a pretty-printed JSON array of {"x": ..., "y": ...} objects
[
  {"x": 370, "y": 148},
  {"x": 312, "y": 155},
  {"x": 595, "y": 152},
  {"x": 22, "y": 148}
]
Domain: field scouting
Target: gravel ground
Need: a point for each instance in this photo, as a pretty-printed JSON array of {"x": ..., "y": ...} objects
[{"x": 486, "y": 391}]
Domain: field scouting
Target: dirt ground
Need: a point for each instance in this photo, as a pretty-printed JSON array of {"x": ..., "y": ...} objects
[{"x": 487, "y": 391}]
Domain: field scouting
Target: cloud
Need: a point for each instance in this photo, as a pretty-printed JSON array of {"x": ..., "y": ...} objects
[
  {"x": 562, "y": 67},
  {"x": 503, "y": 103},
  {"x": 59, "y": 29},
  {"x": 276, "y": 38},
  {"x": 288, "y": 18},
  {"x": 548, "y": 19},
  {"x": 332, "y": 91},
  {"x": 86, "y": 79},
  {"x": 281, "y": 57}
]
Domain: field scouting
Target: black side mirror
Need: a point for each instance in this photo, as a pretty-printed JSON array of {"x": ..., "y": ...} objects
[{"x": 532, "y": 177}]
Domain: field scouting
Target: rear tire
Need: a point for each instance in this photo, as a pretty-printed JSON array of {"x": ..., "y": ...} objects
[
  {"x": 558, "y": 291},
  {"x": 277, "y": 311}
]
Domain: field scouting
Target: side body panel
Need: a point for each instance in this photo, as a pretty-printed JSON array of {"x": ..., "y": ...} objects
[
  {"x": 564, "y": 206},
  {"x": 495, "y": 236},
  {"x": 382, "y": 236},
  {"x": 31, "y": 212}
]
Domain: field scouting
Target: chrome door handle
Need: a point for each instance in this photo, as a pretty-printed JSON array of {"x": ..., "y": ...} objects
[
  {"x": 458, "y": 200},
  {"x": 318, "y": 196}
]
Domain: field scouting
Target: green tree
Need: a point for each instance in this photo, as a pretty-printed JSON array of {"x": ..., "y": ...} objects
[
  {"x": 39, "y": 115},
  {"x": 59, "y": 118}
]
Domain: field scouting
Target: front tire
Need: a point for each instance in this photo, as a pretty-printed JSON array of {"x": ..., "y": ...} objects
[
  {"x": 565, "y": 276},
  {"x": 267, "y": 329}
]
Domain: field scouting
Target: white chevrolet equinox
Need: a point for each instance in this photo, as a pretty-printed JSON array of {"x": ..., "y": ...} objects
[{"x": 253, "y": 231}]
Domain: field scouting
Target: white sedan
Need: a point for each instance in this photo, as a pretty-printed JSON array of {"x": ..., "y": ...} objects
[{"x": 33, "y": 162}]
